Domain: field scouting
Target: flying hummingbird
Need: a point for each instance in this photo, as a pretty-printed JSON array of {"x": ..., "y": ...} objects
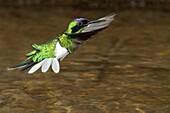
[{"x": 50, "y": 53}]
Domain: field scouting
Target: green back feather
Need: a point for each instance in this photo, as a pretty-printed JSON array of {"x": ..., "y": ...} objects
[
  {"x": 46, "y": 50},
  {"x": 66, "y": 42}
]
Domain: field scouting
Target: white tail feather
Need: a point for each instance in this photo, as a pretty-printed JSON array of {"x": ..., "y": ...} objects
[
  {"x": 46, "y": 65},
  {"x": 55, "y": 66},
  {"x": 36, "y": 67}
]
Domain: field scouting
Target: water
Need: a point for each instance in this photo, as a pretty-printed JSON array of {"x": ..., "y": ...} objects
[{"x": 124, "y": 69}]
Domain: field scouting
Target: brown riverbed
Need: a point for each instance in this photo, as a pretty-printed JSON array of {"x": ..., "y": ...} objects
[{"x": 124, "y": 69}]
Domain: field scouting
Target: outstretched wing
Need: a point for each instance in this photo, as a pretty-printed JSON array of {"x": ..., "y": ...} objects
[
  {"x": 91, "y": 29},
  {"x": 99, "y": 24},
  {"x": 42, "y": 56}
]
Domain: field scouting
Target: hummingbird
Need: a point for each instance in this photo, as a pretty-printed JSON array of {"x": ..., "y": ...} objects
[{"x": 51, "y": 53}]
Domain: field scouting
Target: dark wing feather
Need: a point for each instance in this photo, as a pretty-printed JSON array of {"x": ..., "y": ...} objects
[
  {"x": 24, "y": 65},
  {"x": 27, "y": 66},
  {"x": 20, "y": 65}
]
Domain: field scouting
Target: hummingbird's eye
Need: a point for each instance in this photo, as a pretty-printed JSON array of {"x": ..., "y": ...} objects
[{"x": 80, "y": 23}]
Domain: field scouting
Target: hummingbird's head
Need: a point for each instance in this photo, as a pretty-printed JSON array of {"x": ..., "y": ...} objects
[{"x": 77, "y": 25}]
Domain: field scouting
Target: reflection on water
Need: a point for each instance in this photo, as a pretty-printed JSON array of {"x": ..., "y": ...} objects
[{"x": 119, "y": 71}]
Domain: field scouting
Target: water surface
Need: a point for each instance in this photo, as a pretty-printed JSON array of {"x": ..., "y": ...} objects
[{"x": 124, "y": 69}]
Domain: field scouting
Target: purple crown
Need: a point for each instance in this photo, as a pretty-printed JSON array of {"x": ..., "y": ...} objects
[{"x": 79, "y": 19}]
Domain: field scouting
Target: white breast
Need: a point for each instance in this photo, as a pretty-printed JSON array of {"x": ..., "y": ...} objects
[{"x": 60, "y": 52}]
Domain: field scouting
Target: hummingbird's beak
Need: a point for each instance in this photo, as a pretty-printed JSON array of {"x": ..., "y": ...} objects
[{"x": 98, "y": 24}]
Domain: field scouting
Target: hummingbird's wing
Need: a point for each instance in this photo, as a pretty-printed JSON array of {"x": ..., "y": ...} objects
[
  {"x": 99, "y": 24},
  {"x": 91, "y": 29},
  {"x": 43, "y": 56}
]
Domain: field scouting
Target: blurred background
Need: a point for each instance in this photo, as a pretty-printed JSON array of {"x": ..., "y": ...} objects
[
  {"x": 91, "y": 4},
  {"x": 124, "y": 69}
]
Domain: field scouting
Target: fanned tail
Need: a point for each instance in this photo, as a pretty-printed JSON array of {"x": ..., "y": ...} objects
[{"x": 45, "y": 65}]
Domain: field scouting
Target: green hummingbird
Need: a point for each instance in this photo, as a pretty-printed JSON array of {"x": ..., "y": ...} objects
[{"x": 50, "y": 53}]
